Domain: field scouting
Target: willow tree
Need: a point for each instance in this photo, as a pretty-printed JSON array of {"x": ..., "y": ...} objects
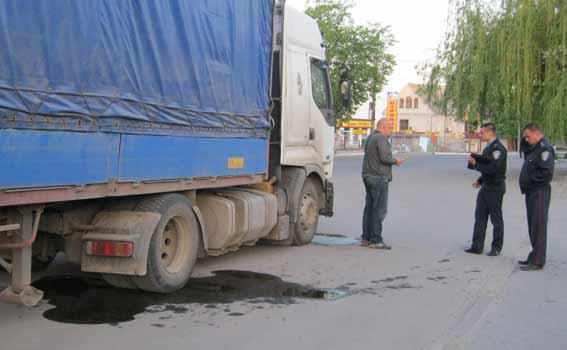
[{"x": 504, "y": 61}]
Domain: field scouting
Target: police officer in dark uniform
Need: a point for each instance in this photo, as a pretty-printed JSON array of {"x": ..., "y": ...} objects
[
  {"x": 525, "y": 147},
  {"x": 492, "y": 184},
  {"x": 535, "y": 183}
]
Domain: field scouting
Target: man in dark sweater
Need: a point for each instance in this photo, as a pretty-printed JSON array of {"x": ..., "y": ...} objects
[
  {"x": 492, "y": 184},
  {"x": 535, "y": 183},
  {"x": 376, "y": 175}
]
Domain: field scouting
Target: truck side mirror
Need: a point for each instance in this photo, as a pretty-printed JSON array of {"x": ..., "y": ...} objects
[
  {"x": 345, "y": 86},
  {"x": 346, "y": 92}
]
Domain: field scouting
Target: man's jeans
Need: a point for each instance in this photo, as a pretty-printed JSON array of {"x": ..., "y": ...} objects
[{"x": 376, "y": 207}]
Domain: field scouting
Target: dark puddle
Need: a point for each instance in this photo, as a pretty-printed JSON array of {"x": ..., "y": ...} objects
[
  {"x": 444, "y": 261},
  {"x": 88, "y": 300}
]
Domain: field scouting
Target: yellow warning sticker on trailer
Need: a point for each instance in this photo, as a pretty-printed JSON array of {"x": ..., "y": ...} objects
[{"x": 236, "y": 163}]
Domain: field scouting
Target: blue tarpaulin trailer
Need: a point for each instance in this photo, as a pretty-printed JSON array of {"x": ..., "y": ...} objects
[
  {"x": 139, "y": 135},
  {"x": 103, "y": 92}
]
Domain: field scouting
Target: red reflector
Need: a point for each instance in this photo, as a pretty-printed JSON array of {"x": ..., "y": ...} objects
[{"x": 109, "y": 248}]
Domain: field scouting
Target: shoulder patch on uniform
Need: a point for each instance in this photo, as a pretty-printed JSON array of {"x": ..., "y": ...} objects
[
  {"x": 545, "y": 155},
  {"x": 496, "y": 154}
]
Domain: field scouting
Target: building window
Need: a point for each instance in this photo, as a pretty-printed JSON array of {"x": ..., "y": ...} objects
[
  {"x": 404, "y": 124},
  {"x": 401, "y": 103},
  {"x": 416, "y": 103},
  {"x": 408, "y": 102}
]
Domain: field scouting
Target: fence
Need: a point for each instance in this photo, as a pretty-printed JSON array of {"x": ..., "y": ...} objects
[
  {"x": 349, "y": 142},
  {"x": 415, "y": 143}
]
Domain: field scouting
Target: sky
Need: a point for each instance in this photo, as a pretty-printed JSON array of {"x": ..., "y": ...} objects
[{"x": 417, "y": 25}]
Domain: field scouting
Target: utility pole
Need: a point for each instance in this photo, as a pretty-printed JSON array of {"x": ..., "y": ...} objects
[{"x": 373, "y": 111}]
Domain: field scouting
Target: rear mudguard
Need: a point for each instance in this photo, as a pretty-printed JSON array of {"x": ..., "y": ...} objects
[{"x": 120, "y": 226}]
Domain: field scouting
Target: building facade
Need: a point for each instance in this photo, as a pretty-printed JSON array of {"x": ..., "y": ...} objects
[{"x": 414, "y": 114}]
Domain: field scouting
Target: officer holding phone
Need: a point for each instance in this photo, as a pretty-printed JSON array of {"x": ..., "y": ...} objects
[{"x": 492, "y": 184}]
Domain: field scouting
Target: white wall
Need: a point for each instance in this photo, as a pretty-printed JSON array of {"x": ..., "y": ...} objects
[{"x": 423, "y": 118}]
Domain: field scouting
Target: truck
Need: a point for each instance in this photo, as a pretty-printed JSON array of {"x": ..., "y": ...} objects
[{"x": 137, "y": 136}]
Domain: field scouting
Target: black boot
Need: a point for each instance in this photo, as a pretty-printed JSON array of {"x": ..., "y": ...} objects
[
  {"x": 531, "y": 267},
  {"x": 493, "y": 252},
  {"x": 474, "y": 251}
]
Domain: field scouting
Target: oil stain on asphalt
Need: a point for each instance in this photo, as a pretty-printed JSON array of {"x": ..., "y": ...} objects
[
  {"x": 89, "y": 300},
  {"x": 391, "y": 279}
]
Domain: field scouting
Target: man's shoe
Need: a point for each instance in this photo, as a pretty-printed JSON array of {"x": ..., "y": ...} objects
[
  {"x": 524, "y": 262},
  {"x": 473, "y": 251},
  {"x": 493, "y": 253},
  {"x": 381, "y": 246},
  {"x": 531, "y": 267}
]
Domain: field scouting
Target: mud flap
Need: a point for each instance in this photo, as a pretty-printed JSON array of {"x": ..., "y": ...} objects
[
  {"x": 293, "y": 180},
  {"x": 329, "y": 203},
  {"x": 120, "y": 226},
  {"x": 204, "y": 249},
  {"x": 281, "y": 231}
]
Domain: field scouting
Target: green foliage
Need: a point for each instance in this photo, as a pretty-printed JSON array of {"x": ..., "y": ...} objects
[
  {"x": 364, "y": 48},
  {"x": 506, "y": 62}
]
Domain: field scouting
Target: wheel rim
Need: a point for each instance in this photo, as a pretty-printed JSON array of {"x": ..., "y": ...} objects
[
  {"x": 174, "y": 245},
  {"x": 308, "y": 213}
]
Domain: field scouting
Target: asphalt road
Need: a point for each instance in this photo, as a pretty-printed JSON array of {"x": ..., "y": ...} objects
[{"x": 424, "y": 294}]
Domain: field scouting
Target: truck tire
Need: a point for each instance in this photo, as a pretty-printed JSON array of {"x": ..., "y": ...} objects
[
  {"x": 174, "y": 245},
  {"x": 309, "y": 206}
]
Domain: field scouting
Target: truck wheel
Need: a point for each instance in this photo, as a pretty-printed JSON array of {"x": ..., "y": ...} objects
[
  {"x": 174, "y": 245},
  {"x": 308, "y": 213}
]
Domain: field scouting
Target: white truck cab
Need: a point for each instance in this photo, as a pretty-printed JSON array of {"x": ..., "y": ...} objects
[{"x": 308, "y": 119}]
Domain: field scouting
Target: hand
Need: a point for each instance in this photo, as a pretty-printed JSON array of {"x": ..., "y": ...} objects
[
  {"x": 476, "y": 184},
  {"x": 399, "y": 162},
  {"x": 472, "y": 161}
]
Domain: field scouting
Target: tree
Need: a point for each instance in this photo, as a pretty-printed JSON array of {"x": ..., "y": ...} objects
[
  {"x": 506, "y": 63},
  {"x": 364, "y": 48}
]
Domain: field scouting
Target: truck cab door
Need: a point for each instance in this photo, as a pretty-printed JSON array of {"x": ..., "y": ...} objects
[
  {"x": 308, "y": 121},
  {"x": 309, "y": 118},
  {"x": 321, "y": 113}
]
